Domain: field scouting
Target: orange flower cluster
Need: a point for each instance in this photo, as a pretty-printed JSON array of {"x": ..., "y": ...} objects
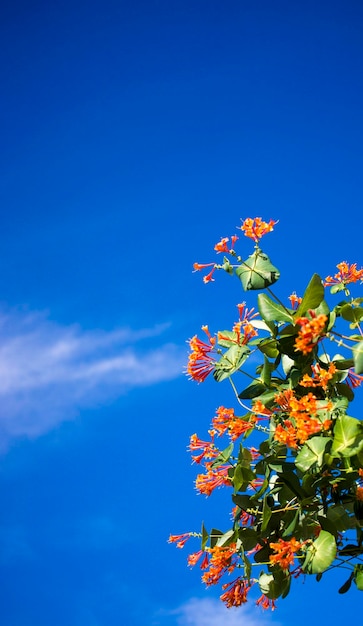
[
  {"x": 221, "y": 562},
  {"x": 285, "y": 552},
  {"x": 236, "y": 593},
  {"x": 222, "y": 246},
  {"x": 347, "y": 274},
  {"x": 359, "y": 494},
  {"x": 215, "y": 477},
  {"x": 227, "y": 421},
  {"x": 320, "y": 377},
  {"x": 209, "y": 451},
  {"x": 243, "y": 329},
  {"x": 311, "y": 331},
  {"x": 256, "y": 228},
  {"x": 200, "y": 361},
  {"x": 301, "y": 411}
]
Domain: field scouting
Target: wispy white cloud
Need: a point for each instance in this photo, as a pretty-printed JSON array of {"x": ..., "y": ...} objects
[
  {"x": 212, "y": 612},
  {"x": 48, "y": 372}
]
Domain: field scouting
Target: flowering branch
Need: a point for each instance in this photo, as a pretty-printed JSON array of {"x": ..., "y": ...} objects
[{"x": 298, "y": 490}]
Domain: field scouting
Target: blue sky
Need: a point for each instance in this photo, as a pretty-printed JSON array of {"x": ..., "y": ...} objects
[{"x": 134, "y": 135}]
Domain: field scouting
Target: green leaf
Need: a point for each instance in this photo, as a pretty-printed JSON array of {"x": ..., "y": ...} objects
[
  {"x": 257, "y": 272},
  {"x": 350, "y": 313},
  {"x": 226, "y": 538},
  {"x": 270, "y": 311},
  {"x": 243, "y": 501},
  {"x": 275, "y": 585},
  {"x": 344, "y": 390},
  {"x": 268, "y": 347},
  {"x": 320, "y": 554},
  {"x": 205, "y": 537},
  {"x": 358, "y": 358},
  {"x": 358, "y": 576},
  {"x": 248, "y": 537},
  {"x": 266, "y": 515},
  {"x": 230, "y": 362},
  {"x": 215, "y": 534},
  {"x": 242, "y": 477},
  {"x": 348, "y": 436},
  {"x": 339, "y": 517},
  {"x": 312, "y": 453},
  {"x": 252, "y": 391},
  {"x": 313, "y": 296}
]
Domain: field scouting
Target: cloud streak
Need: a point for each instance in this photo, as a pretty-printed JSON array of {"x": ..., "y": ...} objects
[{"x": 48, "y": 372}]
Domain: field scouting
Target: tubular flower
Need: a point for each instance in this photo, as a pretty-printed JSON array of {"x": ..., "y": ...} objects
[
  {"x": 256, "y": 228},
  {"x": 208, "y": 448},
  {"x": 285, "y": 552},
  {"x": 347, "y": 274},
  {"x": 244, "y": 332},
  {"x": 180, "y": 540},
  {"x": 215, "y": 477},
  {"x": 311, "y": 331},
  {"x": 242, "y": 517},
  {"x": 221, "y": 562},
  {"x": 245, "y": 315},
  {"x": 259, "y": 409},
  {"x": 295, "y": 300},
  {"x": 266, "y": 603},
  {"x": 226, "y": 420},
  {"x": 200, "y": 361},
  {"x": 197, "y": 267},
  {"x": 194, "y": 558},
  {"x": 236, "y": 593},
  {"x": 354, "y": 380},
  {"x": 286, "y": 434},
  {"x": 320, "y": 377}
]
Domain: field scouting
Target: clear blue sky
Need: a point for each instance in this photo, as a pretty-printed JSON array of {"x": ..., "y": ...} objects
[{"x": 133, "y": 136}]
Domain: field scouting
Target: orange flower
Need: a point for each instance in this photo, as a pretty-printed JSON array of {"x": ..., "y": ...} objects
[
  {"x": 286, "y": 434},
  {"x": 215, "y": 477},
  {"x": 208, "y": 448},
  {"x": 311, "y": 331},
  {"x": 194, "y": 558},
  {"x": 295, "y": 300},
  {"x": 226, "y": 420},
  {"x": 180, "y": 540},
  {"x": 347, "y": 274},
  {"x": 245, "y": 315},
  {"x": 266, "y": 603},
  {"x": 285, "y": 552},
  {"x": 259, "y": 408},
  {"x": 197, "y": 267},
  {"x": 302, "y": 424},
  {"x": 200, "y": 361},
  {"x": 236, "y": 593},
  {"x": 354, "y": 380},
  {"x": 320, "y": 378},
  {"x": 221, "y": 562},
  {"x": 244, "y": 332},
  {"x": 256, "y": 228},
  {"x": 359, "y": 494}
]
